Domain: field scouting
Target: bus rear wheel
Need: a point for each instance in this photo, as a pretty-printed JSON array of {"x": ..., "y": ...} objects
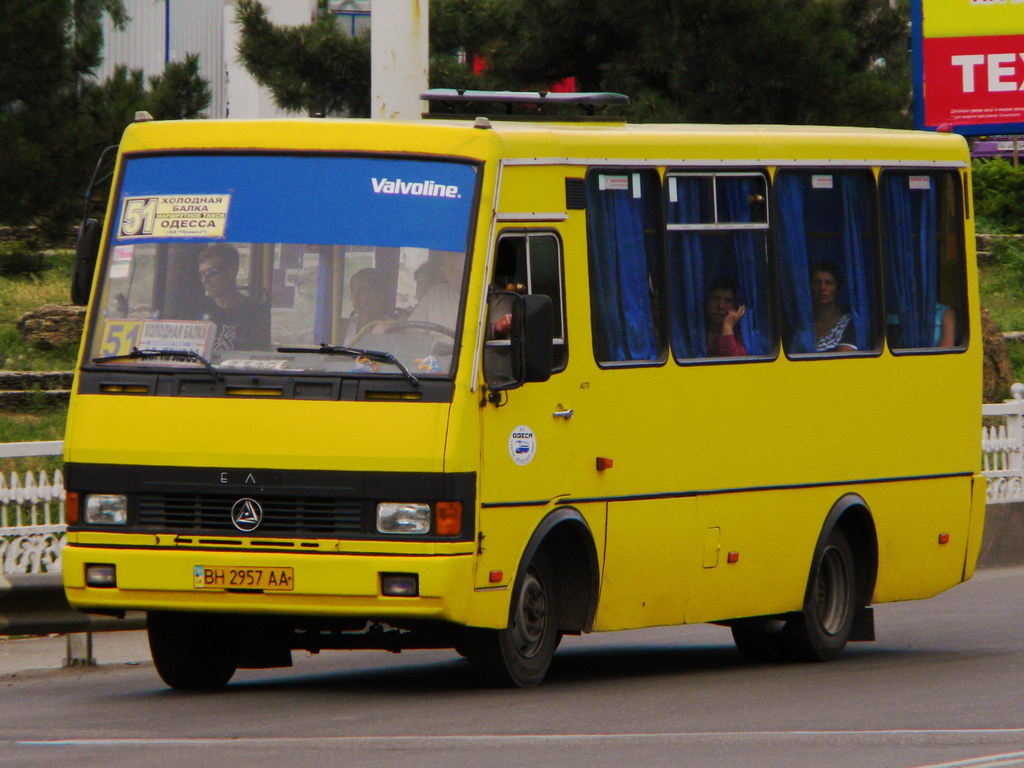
[
  {"x": 520, "y": 654},
  {"x": 822, "y": 629},
  {"x": 193, "y": 650},
  {"x": 820, "y": 632}
]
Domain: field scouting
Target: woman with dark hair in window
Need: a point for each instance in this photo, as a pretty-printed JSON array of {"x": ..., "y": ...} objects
[
  {"x": 721, "y": 318},
  {"x": 833, "y": 327}
]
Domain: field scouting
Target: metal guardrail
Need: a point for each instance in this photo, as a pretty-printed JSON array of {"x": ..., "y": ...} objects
[{"x": 32, "y": 527}]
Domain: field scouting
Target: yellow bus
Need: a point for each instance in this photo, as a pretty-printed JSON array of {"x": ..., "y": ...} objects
[{"x": 478, "y": 384}]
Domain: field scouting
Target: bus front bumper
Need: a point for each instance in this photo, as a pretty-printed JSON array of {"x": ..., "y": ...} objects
[{"x": 341, "y": 585}]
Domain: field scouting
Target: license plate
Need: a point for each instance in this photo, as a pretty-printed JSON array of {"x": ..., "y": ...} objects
[{"x": 238, "y": 577}]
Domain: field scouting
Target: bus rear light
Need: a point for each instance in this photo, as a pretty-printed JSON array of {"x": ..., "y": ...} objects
[
  {"x": 448, "y": 518},
  {"x": 103, "y": 575},
  {"x": 400, "y": 584}
]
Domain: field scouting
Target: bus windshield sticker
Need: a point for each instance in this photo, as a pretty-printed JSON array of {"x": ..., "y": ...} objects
[
  {"x": 522, "y": 445},
  {"x": 821, "y": 181},
  {"x": 920, "y": 182},
  {"x": 174, "y": 216},
  {"x": 121, "y": 261}
]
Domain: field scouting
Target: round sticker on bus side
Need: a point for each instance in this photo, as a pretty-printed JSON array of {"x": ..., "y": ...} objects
[{"x": 522, "y": 445}]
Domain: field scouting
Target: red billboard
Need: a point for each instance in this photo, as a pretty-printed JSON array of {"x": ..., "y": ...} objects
[{"x": 969, "y": 65}]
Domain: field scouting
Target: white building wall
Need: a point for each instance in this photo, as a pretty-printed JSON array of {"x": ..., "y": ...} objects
[{"x": 167, "y": 30}]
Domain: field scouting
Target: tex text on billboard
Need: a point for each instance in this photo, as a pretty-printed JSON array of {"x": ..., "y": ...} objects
[{"x": 969, "y": 65}]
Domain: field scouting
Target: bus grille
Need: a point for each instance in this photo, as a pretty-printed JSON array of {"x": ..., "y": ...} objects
[{"x": 317, "y": 516}]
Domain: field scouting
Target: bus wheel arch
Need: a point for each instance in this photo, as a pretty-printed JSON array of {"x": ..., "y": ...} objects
[
  {"x": 839, "y": 586},
  {"x": 554, "y": 592},
  {"x": 566, "y": 540},
  {"x": 852, "y": 515}
]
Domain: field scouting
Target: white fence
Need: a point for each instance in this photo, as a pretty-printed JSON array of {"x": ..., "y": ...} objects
[
  {"x": 32, "y": 523},
  {"x": 1002, "y": 448}
]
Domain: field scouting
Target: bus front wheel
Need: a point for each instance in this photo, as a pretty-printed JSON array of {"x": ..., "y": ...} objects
[
  {"x": 520, "y": 654},
  {"x": 193, "y": 650}
]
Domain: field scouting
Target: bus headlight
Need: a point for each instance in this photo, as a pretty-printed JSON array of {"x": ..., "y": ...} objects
[
  {"x": 106, "y": 509},
  {"x": 394, "y": 517}
]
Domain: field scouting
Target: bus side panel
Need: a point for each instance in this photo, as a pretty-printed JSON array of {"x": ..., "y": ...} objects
[
  {"x": 645, "y": 582},
  {"x": 910, "y": 518},
  {"x": 771, "y": 535}
]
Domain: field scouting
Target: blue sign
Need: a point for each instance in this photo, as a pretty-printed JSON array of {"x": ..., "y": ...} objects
[{"x": 297, "y": 199}]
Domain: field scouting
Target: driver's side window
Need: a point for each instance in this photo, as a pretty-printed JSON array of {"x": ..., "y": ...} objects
[{"x": 531, "y": 263}]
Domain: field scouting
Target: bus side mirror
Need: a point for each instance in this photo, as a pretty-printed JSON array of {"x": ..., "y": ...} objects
[
  {"x": 86, "y": 250},
  {"x": 519, "y": 346}
]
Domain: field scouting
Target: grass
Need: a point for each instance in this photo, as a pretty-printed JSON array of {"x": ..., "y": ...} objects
[
  {"x": 19, "y": 294},
  {"x": 22, "y": 293}
]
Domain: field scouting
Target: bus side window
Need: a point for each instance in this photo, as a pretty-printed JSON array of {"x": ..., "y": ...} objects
[
  {"x": 531, "y": 262},
  {"x": 623, "y": 238},
  {"x": 827, "y": 260},
  {"x": 922, "y": 222},
  {"x": 718, "y": 265}
]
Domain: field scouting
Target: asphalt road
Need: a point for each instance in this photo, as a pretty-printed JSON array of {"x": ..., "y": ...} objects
[{"x": 942, "y": 686}]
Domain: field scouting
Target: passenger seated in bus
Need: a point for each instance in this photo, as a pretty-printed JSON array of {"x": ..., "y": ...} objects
[
  {"x": 371, "y": 308},
  {"x": 426, "y": 275},
  {"x": 440, "y": 304},
  {"x": 721, "y": 319},
  {"x": 833, "y": 328},
  {"x": 945, "y": 326},
  {"x": 243, "y": 322}
]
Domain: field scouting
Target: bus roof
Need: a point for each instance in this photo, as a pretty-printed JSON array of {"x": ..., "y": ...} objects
[{"x": 548, "y": 142}]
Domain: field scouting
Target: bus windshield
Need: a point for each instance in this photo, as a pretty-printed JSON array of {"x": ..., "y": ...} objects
[{"x": 272, "y": 263}]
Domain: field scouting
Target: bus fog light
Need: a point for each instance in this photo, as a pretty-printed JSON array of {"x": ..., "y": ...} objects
[
  {"x": 100, "y": 575},
  {"x": 106, "y": 509},
  {"x": 400, "y": 584},
  {"x": 403, "y": 518}
]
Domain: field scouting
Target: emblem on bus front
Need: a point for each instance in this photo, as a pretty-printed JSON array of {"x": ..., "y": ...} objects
[{"x": 246, "y": 514}]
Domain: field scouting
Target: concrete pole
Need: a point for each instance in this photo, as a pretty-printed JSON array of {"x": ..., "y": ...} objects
[{"x": 399, "y": 52}]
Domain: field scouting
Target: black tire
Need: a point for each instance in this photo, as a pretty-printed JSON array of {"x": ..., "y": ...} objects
[
  {"x": 193, "y": 650},
  {"x": 760, "y": 640},
  {"x": 820, "y": 632},
  {"x": 520, "y": 654}
]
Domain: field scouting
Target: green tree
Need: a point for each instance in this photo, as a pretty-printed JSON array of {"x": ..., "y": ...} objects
[
  {"x": 55, "y": 118},
  {"x": 750, "y": 61},
  {"x": 312, "y": 68}
]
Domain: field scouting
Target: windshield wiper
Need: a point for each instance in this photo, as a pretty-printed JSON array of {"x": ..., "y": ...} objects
[
  {"x": 155, "y": 354},
  {"x": 369, "y": 354}
]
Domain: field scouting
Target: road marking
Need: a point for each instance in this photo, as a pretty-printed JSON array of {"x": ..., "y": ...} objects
[
  {"x": 1006, "y": 760},
  {"x": 932, "y": 736}
]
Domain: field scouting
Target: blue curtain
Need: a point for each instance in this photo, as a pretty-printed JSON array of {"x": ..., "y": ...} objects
[
  {"x": 748, "y": 254},
  {"x": 794, "y": 266},
  {"x": 909, "y": 218},
  {"x": 857, "y": 260},
  {"x": 686, "y": 274},
  {"x": 620, "y": 259}
]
